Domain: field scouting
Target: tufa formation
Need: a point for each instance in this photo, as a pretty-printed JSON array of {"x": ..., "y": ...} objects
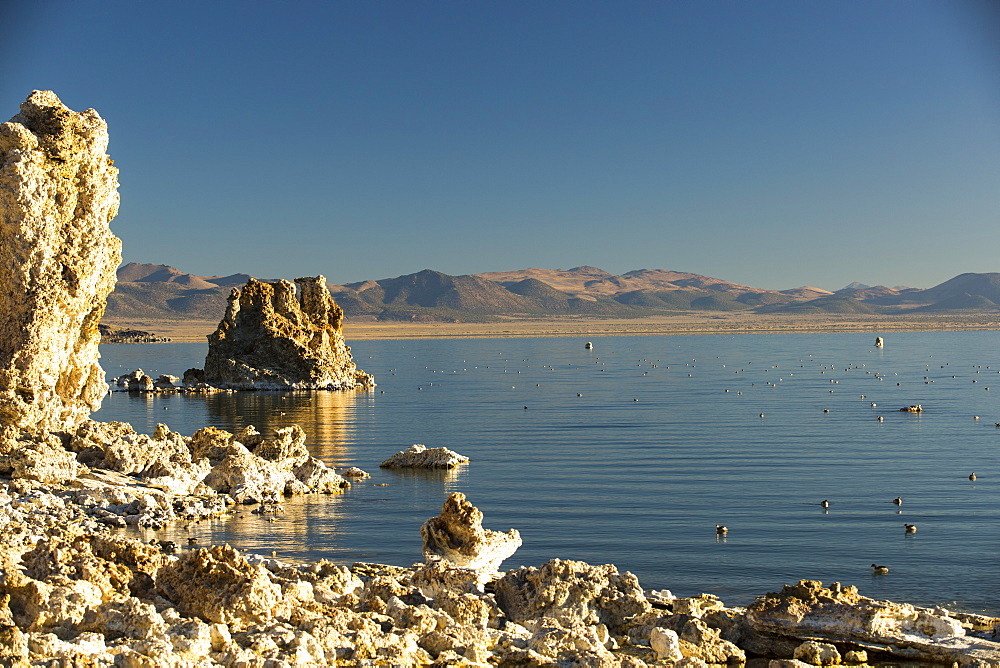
[
  {"x": 457, "y": 536},
  {"x": 274, "y": 339},
  {"x": 58, "y": 194}
]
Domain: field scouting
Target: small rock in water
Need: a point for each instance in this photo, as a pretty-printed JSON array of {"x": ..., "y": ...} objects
[{"x": 420, "y": 456}]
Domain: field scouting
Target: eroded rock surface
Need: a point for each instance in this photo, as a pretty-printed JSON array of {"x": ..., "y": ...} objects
[
  {"x": 276, "y": 337},
  {"x": 419, "y": 456},
  {"x": 457, "y": 536},
  {"x": 572, "y": 592},
  {"x": 811, "y": 611},
  {"x": 58, "y": 194}
]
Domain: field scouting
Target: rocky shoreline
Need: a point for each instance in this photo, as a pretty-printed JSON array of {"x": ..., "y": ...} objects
[{"x": 74, "y": 589}]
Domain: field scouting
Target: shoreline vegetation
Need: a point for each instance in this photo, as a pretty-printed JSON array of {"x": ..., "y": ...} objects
[{"x": 682, "y": 324}]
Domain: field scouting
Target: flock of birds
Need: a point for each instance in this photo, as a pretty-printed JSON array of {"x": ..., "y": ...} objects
[
  {"x": 722, "y": 530},
  {"x": 877, "y": 569}
]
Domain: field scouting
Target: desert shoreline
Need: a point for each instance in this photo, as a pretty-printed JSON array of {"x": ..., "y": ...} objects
[{"x": 687, "y": 324}]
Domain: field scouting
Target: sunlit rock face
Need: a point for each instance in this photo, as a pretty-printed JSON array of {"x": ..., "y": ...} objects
[
  {"x": 58, "y": 256},
  {"x": 276, "y": 337},
  {"x": 457, "y": 536}
]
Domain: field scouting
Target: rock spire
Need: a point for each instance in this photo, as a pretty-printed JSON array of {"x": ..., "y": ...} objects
[
  {"x": 58, "y": 194},
  {"x": 276, "y": 337},
  {"x": 457, "y": 536}
]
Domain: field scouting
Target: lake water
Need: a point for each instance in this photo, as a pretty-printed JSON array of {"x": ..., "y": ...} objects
[{"x": 632, "y": 452}]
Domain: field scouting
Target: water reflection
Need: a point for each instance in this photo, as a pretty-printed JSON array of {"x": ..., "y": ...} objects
[
  {"x": 307, "y": 525},
  {"x": 418, "y": 480},
  {"x": 334, "y": 527},
  {"x": 328, "y": 418}
]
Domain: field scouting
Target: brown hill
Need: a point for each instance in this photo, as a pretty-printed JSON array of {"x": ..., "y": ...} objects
[
  {"x": 152, "y": 291},
  {"x": 593, "y": 282},
  {"x": 806, "y": 292},
  {"x": 962, "y": 286}
]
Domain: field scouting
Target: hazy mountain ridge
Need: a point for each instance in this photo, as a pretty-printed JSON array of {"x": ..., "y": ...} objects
[{"x": 161, "y": 291}]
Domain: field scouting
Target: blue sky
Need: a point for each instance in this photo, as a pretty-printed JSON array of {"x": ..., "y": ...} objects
[{"x": 775, "y": 144}]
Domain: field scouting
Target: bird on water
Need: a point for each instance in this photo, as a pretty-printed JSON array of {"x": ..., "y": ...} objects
[
  {"x": 910, "y": 528},
  {"x": 825, "y": 503},
  {"x": 721, "y": 530},
  {"x": 898, "y": 500},
  {"x": 972, "y": 476},
  {"x": 879, "y": 570}
]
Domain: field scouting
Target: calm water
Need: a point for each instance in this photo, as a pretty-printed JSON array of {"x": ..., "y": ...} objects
[{"x": 639, "y": 469}]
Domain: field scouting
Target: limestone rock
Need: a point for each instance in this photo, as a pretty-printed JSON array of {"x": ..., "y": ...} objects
[
  {"x": 193, "y": 377},
  {"x": 572, "y": 591},
  {"x": 252, "y": 468},
  {"x": 457, "y": 536},
  {"x": 42, "y": 458},
  {"x": 817, "y": 653},
  {"x": 167, "y": 382},
  {"x": 136, "y": 381},
  {"x": 810, "y": 611},
  {"x": 13, "y": 647},
  {"x": 215, "y": 444},
  {"x": 58, "y": 194},
  {"x": 420, "y": 456},
  {"x": 697, "y": 606},
  {"x": 700, "y": 641},
  {"x": 117, "y": 447},
  {"x": 316, "y": 476},
  {"x": 273, "y": 338},
  {"x": 856, "y": 656},
  {"x": 666, "y": 644},
  {"x": 219, "y": 585},
  {"x": 436, "y": 578},
  {"x": 570, "y": 643}
]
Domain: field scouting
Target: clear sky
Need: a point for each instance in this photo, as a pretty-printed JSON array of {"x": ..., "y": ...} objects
[{"x": 771, "y": 143}]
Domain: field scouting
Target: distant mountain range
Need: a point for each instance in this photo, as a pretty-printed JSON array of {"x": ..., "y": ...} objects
[{"x": 155, "y": 291}]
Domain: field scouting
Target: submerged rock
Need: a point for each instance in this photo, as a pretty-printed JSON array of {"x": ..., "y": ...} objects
[
  {"x": 58, "y": 194},
  {"x": 421, "y": 457},
  {"x": 276, "y": 337}
]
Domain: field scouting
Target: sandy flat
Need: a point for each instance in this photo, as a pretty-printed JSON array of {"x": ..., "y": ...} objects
[{"x": 690, "y": 323}]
